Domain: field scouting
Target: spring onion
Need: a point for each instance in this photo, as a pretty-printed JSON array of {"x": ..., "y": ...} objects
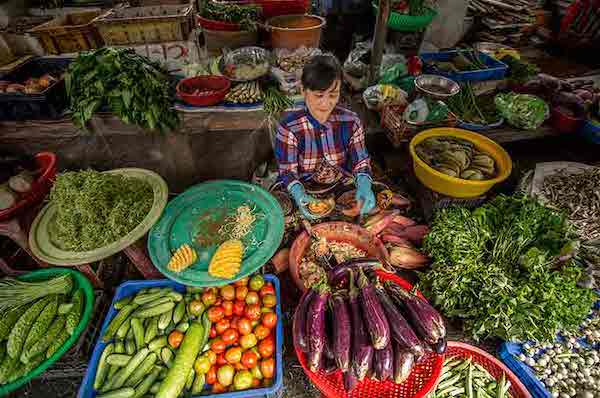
[{"x": 14, "y": 293}]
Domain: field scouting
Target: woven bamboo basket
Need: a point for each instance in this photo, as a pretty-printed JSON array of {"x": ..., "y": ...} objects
[
  {"x": 69, "y": 33},
  {"x": 144, "y": 25}
]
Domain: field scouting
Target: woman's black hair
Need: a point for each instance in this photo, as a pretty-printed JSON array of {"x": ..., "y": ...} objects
[{"x": 320, "y": 72}]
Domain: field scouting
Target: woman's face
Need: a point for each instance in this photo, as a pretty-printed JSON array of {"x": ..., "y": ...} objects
[{"x": 321, "y": 103}]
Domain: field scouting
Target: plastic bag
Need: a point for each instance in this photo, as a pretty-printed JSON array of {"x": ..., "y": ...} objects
[
  {"x": 522, "y": 110},
  {"x": 357, "y": 63},
  {"x": 393, "y": 74},
  {"x": 380, "y": 95}
]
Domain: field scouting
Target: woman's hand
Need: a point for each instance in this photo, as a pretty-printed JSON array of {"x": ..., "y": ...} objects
[
  {"x": 302, "y": 199},
  {"x": 364, "y": 193}
]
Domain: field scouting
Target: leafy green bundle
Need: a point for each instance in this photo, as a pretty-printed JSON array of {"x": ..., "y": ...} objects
[
  {"x": 134, "y": 88},
  {"x": 95, "y": 209},
  {"x": 497, "y": 268}
]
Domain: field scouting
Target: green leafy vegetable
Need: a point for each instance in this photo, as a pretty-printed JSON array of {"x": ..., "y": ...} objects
[
  {"x": 95, "y": 209},
  {"x": 497, "y": 268},
  {"x": 133, "y": 87},
  {"x": 246, "y": 15},
  {"x": 519, "y": 71},
  {"x": 473, "y": 109}
]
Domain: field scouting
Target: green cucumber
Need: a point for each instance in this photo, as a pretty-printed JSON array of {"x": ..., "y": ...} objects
[
  {"x": 183, "y": 326},
  {"x": 176, "y": 296},
  {"x": 177, "y": 375},
  {"x": 129, "y": 332},
  {"x": 147, "y": 384},
  {"x": 154, "y": 303},
  {"x": 8, "y": 320},
  {"x": 146, "y": 298},
  {"x": 194, "y": 289},
  {"x": 198, "y": 384},
  {"x": 155, "y": 387},
  {"x": 123, "y": 329},
  {"x": 41, "y": 345},
  {"x": 103, "y": 366},
  {"x": 115, "y": 324},
  {"x": 21, "y": 330},
  {"x": 122, "y": 302},
  {"x": 138, "y": 332},
  {"x": 154, "y": 311},
  {"x": 130, "y": 347},
  {"x": 55, "y": 345},
  {"x": 126, "y": 392},
  {"x": 151, "y": 330},
  {"x": 169, "y": 328},
  {"x": 179, "y": 312},
  {"x": 166, "y": 355},
  {"x": 124, "y": 373},
  {"x": 118, "y": 359},
  {"x": 142, "y": 371},
  {"x": 158, "y": 343},
  {"x": 74, "y": 315},
  {"x": 165, "y": 319}
]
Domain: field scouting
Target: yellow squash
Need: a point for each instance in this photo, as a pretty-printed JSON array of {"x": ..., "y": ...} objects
[
  {"x": 226, "y": 261},
  {"x": 183, "y": 258}
]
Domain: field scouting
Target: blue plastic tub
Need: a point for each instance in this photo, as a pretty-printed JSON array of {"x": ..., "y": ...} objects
[
  {"x": 479, "y": 127},
  {"x": 591, "y": 132},
  {"x": 86, "y": 390},
  {"x": 496, "y": 70},
  {"x": 509, "y": 354}
]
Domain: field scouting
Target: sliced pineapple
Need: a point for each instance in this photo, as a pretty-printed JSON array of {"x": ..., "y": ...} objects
[
  {"x": 182, "y": 258},
  {"x": 227, "y": 260}
]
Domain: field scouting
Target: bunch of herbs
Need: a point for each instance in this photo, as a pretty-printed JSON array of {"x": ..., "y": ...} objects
[
  {"x": 95, "y": 209},
  {"x": 134, "y": 88},
  {"x": 246, "y": 15},
  {"x": 497, "y": 268}
]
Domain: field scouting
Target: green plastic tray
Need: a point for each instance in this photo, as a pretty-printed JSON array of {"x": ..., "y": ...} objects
[
  {"x": 79, "y": 281},
  {"x": 45, "y": 249},
  {"x": 203, "y": 207},
  {"x": 409, "y": 23}
]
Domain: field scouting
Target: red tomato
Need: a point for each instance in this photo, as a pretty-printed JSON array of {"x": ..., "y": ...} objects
[
  {"x": 218, "y": 388},
  {"x": 269, "y": 320},
  {"x": 248, "y": 341},
  {"x": 212, "y": 357},
  {"x": 241, "y": 292},
  {"x": 267, "y": 289},
  {"x": 249, "y": 359},
  {"x": 261, "y": 332},
  {"x": 252, "y": 298},
  {"x": 255, "y": 323},
  {"x": 239, "y": 307},
  {"x": 239, "y": 366},
  {"x": 222, "y": 326},
  {"x": 228, "y": 292},
  {"x": 242, "y": 380},
  {"x": 219, "y": 301},
  {"x": 213, "y": 332},
  {"x": 256, "y": 282},
  {"x": 241, "y": 282},
  {"x": 255, "y": 383},
  {"x": 267, "y": 367},
  {"x": 211, "y": 375},
  {"x": 233, "y": 355},
  {"x": 218, "y": 346},
  {"x": 266, "y": 348},
  {"x": 244, "y": 326},
  {"x": 234, "y": 322},
  {"x": 252, "y": 312},
  {"x": 209, "y": 298},
  {"x": 221, "y": 360},
  {"x": 215, "y": 314},
  {"x": 269, "y": 300},
  {"x": 225, "y": 374},
  {"x": 230, "y": 336},
  {"x": 227, "y": 308}
]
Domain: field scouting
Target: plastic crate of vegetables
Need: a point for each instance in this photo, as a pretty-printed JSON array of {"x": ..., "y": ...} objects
[
  {"x": 564, "y": 368},
  {"x": 158, "y": 340},
  {"x": 464, "y": 65}
]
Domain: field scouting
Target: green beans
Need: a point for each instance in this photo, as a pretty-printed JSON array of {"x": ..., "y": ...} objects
[{"x": 275, "y": 102}]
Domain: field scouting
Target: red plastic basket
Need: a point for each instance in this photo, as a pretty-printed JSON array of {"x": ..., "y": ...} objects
[
  {"x": 490, "y": 363},
  {"x": 214, "y": 90},
  {"x": 211, "y": 24},
  {"x": 46, "y": 162},
  {"x": 421, "y": 381},
  {"x": 275, "y": 8}
]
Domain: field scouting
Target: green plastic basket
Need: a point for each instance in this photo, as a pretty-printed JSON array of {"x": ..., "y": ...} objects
[
  {"x": 409, "y": 23},
  {"x": 79, "y": 282}
]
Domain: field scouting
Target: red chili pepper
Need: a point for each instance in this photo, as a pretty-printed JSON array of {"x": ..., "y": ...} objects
[{"x": 415, "y": 66}]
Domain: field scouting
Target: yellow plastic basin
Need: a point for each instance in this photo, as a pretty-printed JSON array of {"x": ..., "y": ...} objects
[{"x": 457, "y": 187}]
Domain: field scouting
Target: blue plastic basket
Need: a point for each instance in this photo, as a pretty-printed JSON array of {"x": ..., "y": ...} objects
[
  {"x": 86, "y": 390},
  {"x": 591, "y": 132},
  {"x": 509, "y": 353},
  {"x": 496, "y": 69}
]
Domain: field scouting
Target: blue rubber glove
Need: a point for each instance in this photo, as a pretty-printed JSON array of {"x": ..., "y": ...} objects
[
  {"x": 296, "y": 189},
  {"x": 364, "y": 193}
]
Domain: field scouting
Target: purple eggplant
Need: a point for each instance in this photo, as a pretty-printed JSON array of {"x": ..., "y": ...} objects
[
  {"x": 403, "y": 364},
  {"x": 377, "y": 324},
  {"x": 315, "y": 326},
  {"x": 400, "y": 329},
  {"x": 383, "y": 363},
  {"x": 339, "y": 275},
  {"x": 362, "y": 351},
  {"x": 341, "y": 331},
  {"x": 350, "y": 380},
  {"x": 299, "y": 326},
  {"x": 428, "y": 323}
]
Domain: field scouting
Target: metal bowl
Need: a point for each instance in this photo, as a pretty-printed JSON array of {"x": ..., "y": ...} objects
[
  {"x": 438, "y": 87},
  {"x": 255, "y": 56}
]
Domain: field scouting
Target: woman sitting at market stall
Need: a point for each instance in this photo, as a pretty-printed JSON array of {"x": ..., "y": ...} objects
[{"x": 322, "y": 136}]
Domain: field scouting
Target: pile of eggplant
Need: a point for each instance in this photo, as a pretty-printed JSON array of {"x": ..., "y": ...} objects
[{"x": 365, "y": 327}]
